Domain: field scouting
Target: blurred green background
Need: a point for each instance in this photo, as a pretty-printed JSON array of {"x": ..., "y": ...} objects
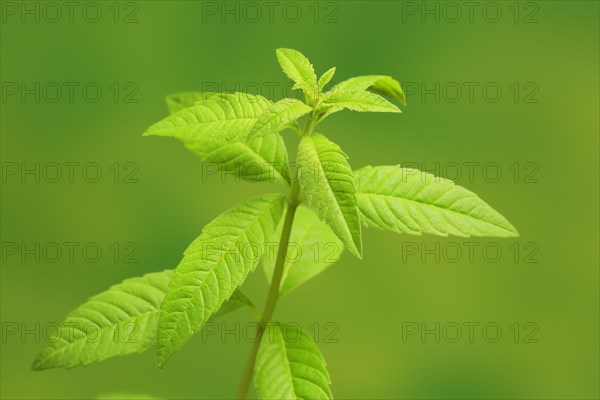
[{"x": 541, "y": 133}]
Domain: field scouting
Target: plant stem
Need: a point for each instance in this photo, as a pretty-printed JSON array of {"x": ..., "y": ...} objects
[
  {"x": 284, "y": 242},
  {"x": 273, "y": 290},
  {"x": 310, "y": 124}
]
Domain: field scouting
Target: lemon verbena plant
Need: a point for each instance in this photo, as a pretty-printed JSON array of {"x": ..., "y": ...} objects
[{"x": 327, "y": 201}]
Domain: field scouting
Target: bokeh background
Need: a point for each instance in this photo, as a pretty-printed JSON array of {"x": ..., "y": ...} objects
[{"x": 540, "y": 132}]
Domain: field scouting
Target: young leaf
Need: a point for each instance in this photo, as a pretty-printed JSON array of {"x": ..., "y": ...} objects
[
  {"x": 406, "y": 200},
  {"x": 297, "y": 67},
  {"x": 222, "y": 119},
  {"x": 277, "y": 116},
  {"x": 328, "y": 182},
  {"x": 213, "y": 266},
  {"x": 313, "y": 248},
  {"x": 381, "y": 84},
  {"x": 117, "y": 322},
  {"x": 358, "y": 100},
  {"x": 326, "y": 78},
  {"x": 179, "y": 101},
  {"x": 264, "y": 159},
  {"x": 289, "y": 365}
]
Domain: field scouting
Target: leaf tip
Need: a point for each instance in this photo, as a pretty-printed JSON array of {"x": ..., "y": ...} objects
[
  {"x": 161, "y": 359},
  {"x": 508, "y": 229},
  {"x": 356, "y": 250},
  {"x": 394, "y": 108},
  {"x": 279, "y": 52},
  {"x": 35, "y": 366},
  {"x": 38, "y": 363},
  {"x": 148, "y": 131},
  {"x": 163, "y": 355},
  {"x": 512, "y": 231}
]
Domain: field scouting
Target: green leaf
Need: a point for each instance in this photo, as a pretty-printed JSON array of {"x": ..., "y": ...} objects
[
  {"x": 357, "y": 100},
  {"x": 289, "y": 365},
  {"x": 213, "y": 266},
  {"x": 278, "y": 115},
  {"x": 326, "y": 78},
  {"x": 381, "y": 84},
  {"x": 264, "y": 159},
  {"x": 297, "y": 67},
  {"x": 313, "y": 248},
  {"x": 117, "y": 322},
  {"x": 406, "y": 200},
  {"x": 179, "y": 101},
  {"x": 327, "y": 180},
  {"x": 206, "y": 126},
  {"x": 217, "y": 130}
]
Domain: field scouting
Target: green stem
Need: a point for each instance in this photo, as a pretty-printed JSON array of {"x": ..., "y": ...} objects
[
  {"x": 283, "y": 245},
  {"x": 273, "y": 290},
  {"x": 311, "y": 123},
  {"x": 284, "y": 242}
]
